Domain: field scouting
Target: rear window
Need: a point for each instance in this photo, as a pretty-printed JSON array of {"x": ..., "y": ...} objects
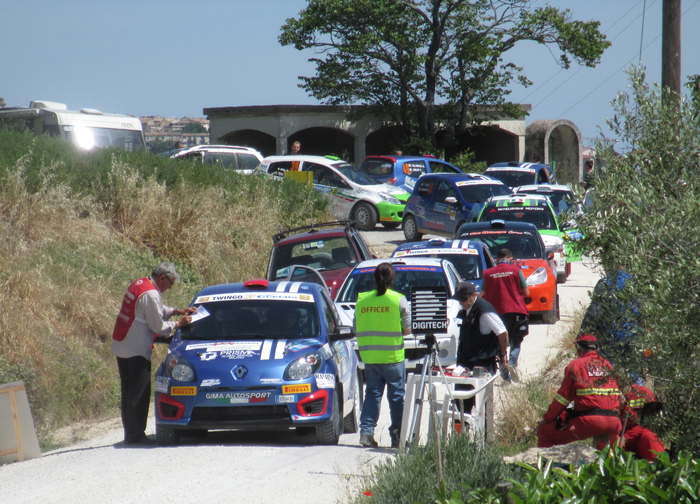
[
  {"x": 512, "y": 178},
  {"x": 322, "y": 255},
  {"x": 378, "y": 168},
  {"x": 362, "y": 280}
]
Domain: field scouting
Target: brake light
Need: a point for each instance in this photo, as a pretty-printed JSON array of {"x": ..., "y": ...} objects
[
  {"x": 260, "y": 284},
  {"x": 391, "y": 181}
]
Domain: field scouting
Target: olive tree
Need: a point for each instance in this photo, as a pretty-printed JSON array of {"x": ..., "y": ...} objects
[{"x": 644, "y": 220}]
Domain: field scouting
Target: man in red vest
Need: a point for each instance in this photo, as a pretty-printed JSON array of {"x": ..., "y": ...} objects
[
  {"x": 142, "y": 317},
  {"x": 589, "y": 384},
  {"x": 505, "y": 288}
]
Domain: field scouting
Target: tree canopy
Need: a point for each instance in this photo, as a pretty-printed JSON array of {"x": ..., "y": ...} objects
[{"x": 427, "y": 63}]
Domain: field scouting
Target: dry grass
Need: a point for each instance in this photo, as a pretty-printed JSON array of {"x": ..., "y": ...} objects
[{"x": 67, "y": 259}]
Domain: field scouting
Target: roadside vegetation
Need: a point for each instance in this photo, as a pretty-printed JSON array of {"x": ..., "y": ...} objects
[{"x": 76, "y": 228}]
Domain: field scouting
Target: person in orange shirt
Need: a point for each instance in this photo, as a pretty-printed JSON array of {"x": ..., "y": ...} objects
[{"x": 589, "y": 384}]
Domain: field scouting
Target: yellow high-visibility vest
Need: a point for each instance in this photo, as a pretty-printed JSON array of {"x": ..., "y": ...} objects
[{"x": 378, "y": 327}]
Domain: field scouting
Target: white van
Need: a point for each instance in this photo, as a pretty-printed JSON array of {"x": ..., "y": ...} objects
[{"x": 86, "y": 128}]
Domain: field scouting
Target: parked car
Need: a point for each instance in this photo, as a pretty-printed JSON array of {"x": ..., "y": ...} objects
[
  {"x": 261, "y": 356},
  {"x": 354, "y": 195},
  {"x": 525, "y": 243},
  {"x": 537, "y": 210},
  {"x": 470, "y": 258},
  {"x": 410, "y": 272},
  {"x": 561, "y": 196},
  {"x": 442, "y": 202},
  {"x": 404, "y": 171},
  {"x": 244, "y": 160},
  {"x": 332, "y": 248},
  {"x": 515, "y": 174}
]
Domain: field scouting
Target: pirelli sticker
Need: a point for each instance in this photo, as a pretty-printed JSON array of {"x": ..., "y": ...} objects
[
  {"x": 296, "y": 389},
  {"x": 183, "y": 391}
]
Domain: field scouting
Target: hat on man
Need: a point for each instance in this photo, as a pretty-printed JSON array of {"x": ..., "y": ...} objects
[
  {"x": 587, "y": 341},
  {"x": 464, "y": 291}
]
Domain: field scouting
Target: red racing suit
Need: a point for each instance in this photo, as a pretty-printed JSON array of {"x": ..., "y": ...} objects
[
  {"x": 596, "y": 397},
  {"x": 643, "y": 442}
]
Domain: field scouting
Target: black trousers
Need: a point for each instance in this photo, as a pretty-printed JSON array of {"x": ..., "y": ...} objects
[{"x": 135, "y": 378}]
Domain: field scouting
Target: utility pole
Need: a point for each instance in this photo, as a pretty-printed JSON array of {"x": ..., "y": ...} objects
[{"x": 671, "y": 47}]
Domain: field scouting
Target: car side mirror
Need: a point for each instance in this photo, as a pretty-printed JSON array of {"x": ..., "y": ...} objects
[
  {"x": 341, "y": 333},
  {"x": 451, "y": 200}
]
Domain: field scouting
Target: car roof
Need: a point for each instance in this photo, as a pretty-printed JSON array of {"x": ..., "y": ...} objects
[
  {"x": 518, "y": 166},
  {"x": 327, "y": 160},
  {"x": 258, "y": 286},
  {"x": 215, "y": 148},
  {"x": 410, "y": 261},
  {"x": 537, "y": 198},
  {"x": 321, "y": 230},
  {"x": 499, "y": 224},
  {"x": 543, "y": 188},
  {"x": 441, "y": 244}
]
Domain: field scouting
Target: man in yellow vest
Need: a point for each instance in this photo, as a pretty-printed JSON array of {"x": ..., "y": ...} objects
[{"x": 382, "y": 319}]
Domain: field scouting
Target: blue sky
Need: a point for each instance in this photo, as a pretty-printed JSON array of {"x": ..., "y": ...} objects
[{"x": 174, "y": 58}]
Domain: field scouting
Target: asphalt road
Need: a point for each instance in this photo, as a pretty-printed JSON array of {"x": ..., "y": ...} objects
[{"x": 240, "y": 466}]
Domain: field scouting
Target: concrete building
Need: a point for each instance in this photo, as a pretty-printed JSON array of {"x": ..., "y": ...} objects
[{"x": 327, "y": 130}]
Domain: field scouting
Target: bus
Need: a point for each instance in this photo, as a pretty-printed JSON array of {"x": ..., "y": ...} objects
[{"x": 86, "y": 128}]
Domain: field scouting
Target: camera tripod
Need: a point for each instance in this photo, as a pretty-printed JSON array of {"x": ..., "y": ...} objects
[{"x": 430, "y": 360}]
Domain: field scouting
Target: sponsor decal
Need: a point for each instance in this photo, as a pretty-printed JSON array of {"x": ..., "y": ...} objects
[
  {"x": 245, "y": 296},
  {"x": 312, "y": 245},
  {"x": 162, "y": 383},
  {"x": 325, "y": 380},
  {"x": 270, "y": 381},
  {"x": 238, "y": 397},
  {"x": 238, "y": 354},
  {"x": 211, "y": 382},
  {"x": 286, "y": 399},
  {"x": 296, "y": 389},
  {"x": 183, "y": 391},
  {"x": 221, "y": 346},
  {"x": 207, "y": 356},
  {"x": 297, "y": 345}
]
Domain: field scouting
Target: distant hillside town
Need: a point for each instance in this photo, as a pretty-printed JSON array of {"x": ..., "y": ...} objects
[{"x": 161, "y": 133}]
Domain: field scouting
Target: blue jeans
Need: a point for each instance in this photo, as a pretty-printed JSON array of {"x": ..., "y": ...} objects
[{"x": 376, "y": 377}]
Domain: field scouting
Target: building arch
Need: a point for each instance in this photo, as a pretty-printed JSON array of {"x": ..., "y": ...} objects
[
  {"x": 323, "y": 141},
  {"x": 489, "y": 143},
  {"x": 558, "y": 143},
  {"x": 258, "y": 140}
]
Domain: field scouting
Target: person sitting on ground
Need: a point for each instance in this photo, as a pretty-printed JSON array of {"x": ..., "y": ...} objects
[
  {"x": 640, "y": 440},
  {"x": 589, "y": 384}
]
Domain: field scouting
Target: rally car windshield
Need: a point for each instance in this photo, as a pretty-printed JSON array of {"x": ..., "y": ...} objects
[
  {"x": 355, "y": 175},
  {"x": 540, "y": 216},
  {"x": 478, "y": 193},
  {"x": 363, "y": 281},
  {"x": 522, "y": 244},
  {"x": 254, "y": 318},
  {"x": 512, "y": 178}
]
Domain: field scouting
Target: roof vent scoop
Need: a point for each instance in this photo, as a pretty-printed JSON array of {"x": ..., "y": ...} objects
[
  {"x": 90, "y": 111},
  {"x": 41, "y": 104}
]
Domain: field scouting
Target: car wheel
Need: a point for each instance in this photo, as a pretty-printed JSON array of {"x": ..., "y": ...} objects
[
  {"x": 410, "y": 229},
  {"x": 552, "y": 316},
  {"x": 391, "y": 225},
  {"x": 365, "y": 216},
  {"x": 561, "y": 277},
  {"x": 328, "y": 433},
  {"x": 351, "y": 422},
  {"x": 167, "y": 435}
]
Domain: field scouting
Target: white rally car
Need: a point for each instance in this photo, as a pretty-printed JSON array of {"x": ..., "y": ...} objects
[
  {"x": 410, "y": 272},
  {"x": 354, "y": 194}
]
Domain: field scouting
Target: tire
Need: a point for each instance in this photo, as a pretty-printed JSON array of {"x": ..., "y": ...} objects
[
  {"x": 561, "y": 277},
  {"x": 365, "y": 216},
  {"x": 410, "y": 229},
  {"x": 391, "y": 225},
  {"x": 328, "y": 433},
  {"x": 167, "y": 435},
  {"x": 552, "y": 316},
  {"x": 351, "y": 422}
]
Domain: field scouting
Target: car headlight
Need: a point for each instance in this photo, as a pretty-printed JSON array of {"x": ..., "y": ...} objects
[
  {"x": 538, "y": 277},
  {"x": 303, "y": 367},
  {"x": 389, "y": 198},
  {"x": 179, "y": 369}
]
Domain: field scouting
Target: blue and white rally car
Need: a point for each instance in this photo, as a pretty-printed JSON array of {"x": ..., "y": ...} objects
[{"x": 260, "y": 355}]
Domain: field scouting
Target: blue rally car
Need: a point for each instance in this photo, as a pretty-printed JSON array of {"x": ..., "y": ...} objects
[{"x": 260, "y": 355}]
